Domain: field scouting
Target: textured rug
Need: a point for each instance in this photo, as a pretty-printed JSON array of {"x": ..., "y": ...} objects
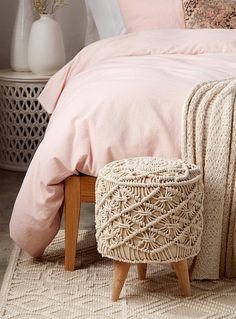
[{"x": 42, "y": 289}]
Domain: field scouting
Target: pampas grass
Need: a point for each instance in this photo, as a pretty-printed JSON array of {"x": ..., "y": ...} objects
[{"x": 48, "y": 6}]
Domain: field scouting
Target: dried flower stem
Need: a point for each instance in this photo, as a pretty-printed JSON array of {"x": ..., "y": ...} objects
[{"x": 48, "y": 6}]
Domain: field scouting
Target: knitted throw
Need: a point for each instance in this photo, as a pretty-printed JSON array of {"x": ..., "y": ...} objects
[{"x": 209, "y": 140}]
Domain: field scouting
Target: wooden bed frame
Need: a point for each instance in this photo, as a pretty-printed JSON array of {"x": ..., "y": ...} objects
[{"x": 78, "y": 189}]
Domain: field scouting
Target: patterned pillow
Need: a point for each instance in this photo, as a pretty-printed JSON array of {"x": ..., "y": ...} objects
[{"x": 212, "y": 14}]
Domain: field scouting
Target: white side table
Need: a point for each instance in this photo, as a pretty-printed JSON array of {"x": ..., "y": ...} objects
[{"x": 22, "y": 119}]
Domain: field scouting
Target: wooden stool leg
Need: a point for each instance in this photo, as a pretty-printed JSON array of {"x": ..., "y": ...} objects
[
  {"x": 142, "y": 271},
  {"x": 181, "y": 270},
  {"x": 121, "y": 270},
  {"x": 72, "y": 214}
]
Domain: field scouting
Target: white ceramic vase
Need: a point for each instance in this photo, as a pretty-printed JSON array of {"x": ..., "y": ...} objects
[
  {"x": 46, "y": 51},
  {"x": 20, "y": 38}
]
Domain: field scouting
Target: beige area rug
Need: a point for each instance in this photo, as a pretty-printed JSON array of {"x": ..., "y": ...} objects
[{"x": 42, "y": 289}]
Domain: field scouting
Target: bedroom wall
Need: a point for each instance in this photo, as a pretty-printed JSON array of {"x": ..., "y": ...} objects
[{"x": 72, "y": 20}]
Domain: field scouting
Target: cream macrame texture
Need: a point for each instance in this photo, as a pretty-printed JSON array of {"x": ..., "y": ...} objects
[
  {"x": 149, "y": 210},
  {"x": 209, "y": 140}
]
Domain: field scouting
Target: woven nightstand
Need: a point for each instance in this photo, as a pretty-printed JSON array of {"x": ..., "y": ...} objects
[{"x": 22, "y": 119}]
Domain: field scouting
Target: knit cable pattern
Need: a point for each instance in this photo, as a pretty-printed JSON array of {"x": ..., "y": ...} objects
[{"x": 209, "y": 140}]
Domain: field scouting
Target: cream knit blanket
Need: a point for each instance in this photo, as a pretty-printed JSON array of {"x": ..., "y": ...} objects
[{"x": 209, "y": 140}]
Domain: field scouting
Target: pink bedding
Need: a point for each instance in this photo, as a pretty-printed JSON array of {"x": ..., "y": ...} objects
[{"x": 120, "y": 97}]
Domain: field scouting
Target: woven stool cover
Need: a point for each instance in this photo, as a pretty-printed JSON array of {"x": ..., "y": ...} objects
[{"x": 149, "y": 210}]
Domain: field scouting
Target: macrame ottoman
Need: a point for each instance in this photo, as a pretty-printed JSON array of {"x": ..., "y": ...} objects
[{"x": 149, "y": 210}]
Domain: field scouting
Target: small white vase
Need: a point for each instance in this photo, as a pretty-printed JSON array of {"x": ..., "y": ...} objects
[
  {"x": 46, "y": 51},
  {"x": 20, "y": 38}
]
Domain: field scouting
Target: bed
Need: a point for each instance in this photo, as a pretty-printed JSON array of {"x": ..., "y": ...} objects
[{"x": 119, "y": 97}]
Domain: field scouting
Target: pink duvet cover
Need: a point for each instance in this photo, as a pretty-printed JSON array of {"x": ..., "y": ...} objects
[{"x": 120, "y": 97}]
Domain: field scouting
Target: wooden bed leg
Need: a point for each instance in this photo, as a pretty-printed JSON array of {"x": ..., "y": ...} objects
[
  {"x": 181, "y": 270},
  {"x": 72, "y": 214},
  {"x": 142, "y": 271}
]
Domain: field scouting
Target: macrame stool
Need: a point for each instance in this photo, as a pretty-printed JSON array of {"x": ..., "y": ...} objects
[{"x": 149, "y": 210}]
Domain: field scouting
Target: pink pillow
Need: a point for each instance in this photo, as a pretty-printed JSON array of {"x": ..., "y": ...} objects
[{"x": 142, "y": 15}]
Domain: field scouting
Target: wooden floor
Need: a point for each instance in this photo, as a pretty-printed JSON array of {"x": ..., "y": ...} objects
[{"x": 9, "y": 186}]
